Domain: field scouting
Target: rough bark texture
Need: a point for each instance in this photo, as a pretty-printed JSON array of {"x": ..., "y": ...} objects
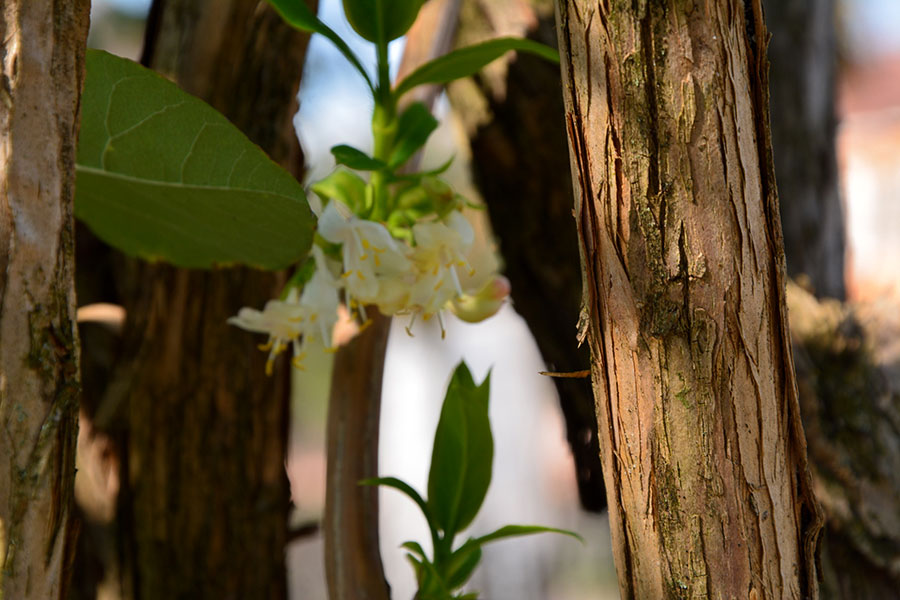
[
  {"x": 803, "y": 51},
  {"x": 204, "y": 500},
  {"x": 848, "y": 367},
  {"x": 514, "y": 116},
  {"x": 703, "y": 449},
  {"x": 42, "y": 73}
]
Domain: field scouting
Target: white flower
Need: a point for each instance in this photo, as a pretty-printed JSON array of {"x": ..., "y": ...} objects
[
  {"x": 282, "y": 320},
  {"x": 320, "y": 301},
  {"x": 440, "y": 250},
  {"x": 368, "y": 250}
]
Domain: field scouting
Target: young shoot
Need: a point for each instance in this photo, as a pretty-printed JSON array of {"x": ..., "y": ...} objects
[{"x": 461, "y": 468}]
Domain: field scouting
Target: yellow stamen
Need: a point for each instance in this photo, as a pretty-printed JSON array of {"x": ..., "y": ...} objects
[
  {"x": 363, "y": 256},
  {"x": 270, "y": 365},
  {"x": 267, "y": 346},
  {"x": 360, "y": 275},
  {"x": 296, "y": 362},
  {"x": 365, "y": 325}
]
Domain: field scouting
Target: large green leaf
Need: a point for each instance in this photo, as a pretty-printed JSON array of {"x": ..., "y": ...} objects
[
  {"x": 468, "y": 61},
  {"x": 463, "y": 452},
  {"x": 381, "y": 21},
  {"x": 297, "y": 14},
  {"x": 163, "y": 176}
]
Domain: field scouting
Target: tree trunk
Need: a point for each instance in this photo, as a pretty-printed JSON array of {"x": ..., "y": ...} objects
[
  {"x": 43, "y": 70},
  {"x": 803, "y": 52},
  {"x": 204, "y": 500},
  {"x": 703, "y": 449},
  {"x": 514, "y": 117}
]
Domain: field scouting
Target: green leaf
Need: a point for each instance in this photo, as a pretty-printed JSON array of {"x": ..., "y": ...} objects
[
  {"x": 415, "y": 548},
  {"x": 463, "y": 452},
  {"x": 413, "y": 128},
  {"x": 344, "y": 186},
  {"x": 518, "y": 530},
  {"x": 381, "y": 21},
  {"x": 462, "y": 564},
  {"x": 161, "y": 175},
  {"x": 417, "y": 177},
  {"x": 298, "y": 15},
  {"x": 399, "y": 484},
  {"x": 468, "y": 61},
  {"x": 356, "y": 159}
]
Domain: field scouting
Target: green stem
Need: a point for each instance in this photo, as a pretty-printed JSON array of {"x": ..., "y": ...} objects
[{"x": 384, "y": 128}]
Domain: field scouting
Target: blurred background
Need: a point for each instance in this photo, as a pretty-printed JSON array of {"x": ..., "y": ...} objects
[{"x": 534, "y": 482}]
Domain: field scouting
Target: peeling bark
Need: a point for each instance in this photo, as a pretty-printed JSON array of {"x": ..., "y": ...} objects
[
  {"x": 204, "y": 502},
  {"x": 42, "y": 75},
  {"x": 703, "y": 449}
]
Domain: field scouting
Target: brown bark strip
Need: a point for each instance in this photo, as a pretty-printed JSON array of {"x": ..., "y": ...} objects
[
  {"x": 42, "y": 74},
  {"x": 704, "y": 455},
  {"x": 204, "y": 503},
  {"x": 352, "y": 558}
]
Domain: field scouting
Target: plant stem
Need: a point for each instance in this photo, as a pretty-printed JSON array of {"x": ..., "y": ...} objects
[{"x": 384, "y": 127}]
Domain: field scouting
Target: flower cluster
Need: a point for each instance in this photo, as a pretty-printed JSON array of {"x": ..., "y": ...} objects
[{"x": 433, "y": 269}]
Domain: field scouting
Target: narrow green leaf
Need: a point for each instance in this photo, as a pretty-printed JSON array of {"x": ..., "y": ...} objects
[
  {"x": 356, "y": 159},
  {"x": 518, "y": 530},
  {"x": 382, "y": 20},
  {"x": 462, "y": 564},
  {"x": 417, "y": 177},
  {"x": 431, "y": 585},
  {"x": 400, "y": 485},
  {"x": 344, "y": 186},
  {"x": 468, "y": 61},
  {"x": 463, "y": 452},
  {"x": 161, "y": 175},
  {"x": 413, "y": 128},
  {"x": 416, "y": 548},
  {"x": 298, "y": 15}
]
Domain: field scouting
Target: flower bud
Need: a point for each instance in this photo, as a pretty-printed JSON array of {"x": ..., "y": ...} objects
[{"x": 483, "y": 304}]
